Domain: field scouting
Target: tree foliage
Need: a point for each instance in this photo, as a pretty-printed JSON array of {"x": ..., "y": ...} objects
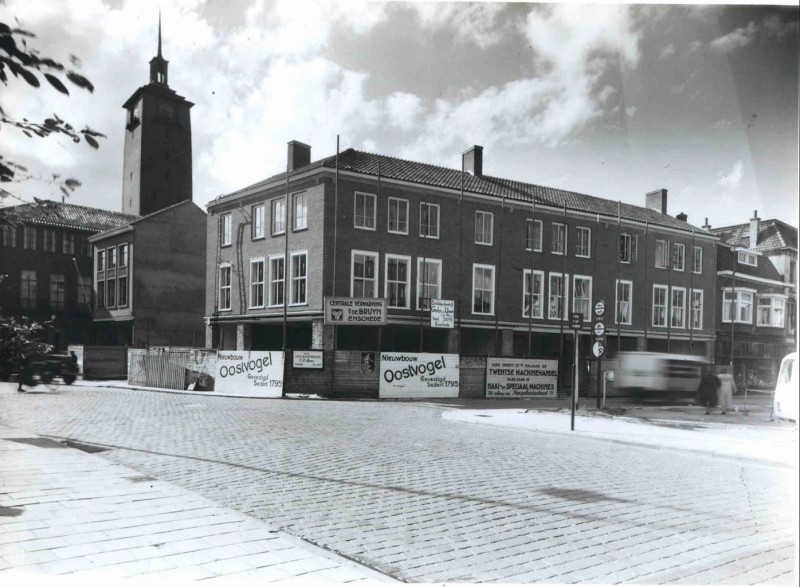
[
  {"x": 21, "y": 62},
  {"x": 20, "y": 338}
]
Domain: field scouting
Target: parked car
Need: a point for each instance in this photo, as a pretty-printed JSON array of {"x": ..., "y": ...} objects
[
  {"x": 43, "y": 368},
  {"x": 786, "y": 389}
]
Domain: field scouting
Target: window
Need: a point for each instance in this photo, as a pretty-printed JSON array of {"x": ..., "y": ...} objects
[
  {"x": 101, "y": 294},
  {"x": 746, "y": 258},
  {"x": 83, "y": 246},
  {"x": 533, "y": 235},
  {"x": 225, "y": 287},
  {"x": 428, "y": 220},
  {"x": 278, "y": 209},
  {"x": 299, "y": 278},
  {"x": 583, "y": 242},
  {"x": 582, "y": 295},
  {"x": 483, "y": 227},
  {"x": 535, "y": 284},
  {"x": 398, "y": 216},
  {"x": 556, "y": 306},
  {"x": 28, "y": 290},
  {"x": 364, "y": 211},
  {"x": 627, "y": 248},
  {"x": 397, "y": 281},
  {"x": 122, "y": 286},
  {"x": 257, "y": 217},
  {"x": 111, "y": 293},
  {"x": 111, "y": 258},
  {"x": 678, "y": 256},
  {"x": 743, "y": 306},
  {"x": 49, "y": 241},
  {"x": 68, "y": 244},
  {"x": 624, "y": 302},
  {"x": 364, "y": 275},
  {"x": 257, "y": 283},
  {"x": 277, "y": 280},
  {"x": 9, "y": 235},
  {"x": 697, "y": 262},
  {"x": 660, "y": 305},
  {"x": 771, "y": 311},
  {"x": 84, "y": 296},
  {"x": 558, "y": 242},
  {"x": 482, "y": 289},
  {"x": 696, "y": 320},
  {"x": 300, "y": 212},
  {"x": 101, "y": 260},
  {"x": 661, "y": 254},
  {"x": 225, "y": 229},
  {"x": 29, "y": 237},
  {"x": 123, "y": 255},
  {"x": 678, "y": 310},
  {"x": 791, "y": 314},
  {"x": 429, "y": 282}
]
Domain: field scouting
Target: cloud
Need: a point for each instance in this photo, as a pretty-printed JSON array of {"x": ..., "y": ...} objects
[
  {"x": 630, "y": 111},
  {"x": 667, "y": 51},
  {"x": 473, "y": 22},
  {"x": 774, "y": 25},
  {"x": 732, "y": 179},
  {"x": 737, "y": 39},
  {"x": 694, "y": 46}
]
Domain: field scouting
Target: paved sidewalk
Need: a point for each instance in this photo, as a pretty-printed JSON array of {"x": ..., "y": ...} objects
[
  {"x": 771, "y": 446},
  {"x": 66, "y": 512}
]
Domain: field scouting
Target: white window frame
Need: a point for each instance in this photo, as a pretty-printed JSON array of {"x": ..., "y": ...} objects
[
  {"x": 123, "y": 259},
  {"x": 376, "y": 280},
  {"x": 771, "y": 299},
  {"x": 364, "y": 217},
  {"x": 254, "y": 284},
  {"x": 111, "y": 258},
  {"x": 697, "y": 268},
  {"x": 479, "y": 266},
  {"x": 745, "y": 258},
  {"x": 228, "y": 287},
  {"x": 301, "y": 198},
  {"x": 678, "y": 247},
  {"x": 526, "y": 282},
  {"x": 554, "y": 241},
  {"x": 587, "y": 311},
  {"x": 632, "y": 239},
  {"x": 294, "y": 280},
  {"x": 537, "y": 246},
  {"x": 422, "y": 284},
  {"x": 696, "y": 324},
  {"x": 397, "y": 204},
  {"x": 480, "y": 235},
  {"x": 736, "y": 303},
  {"x": 274, "y": 280},
  {"x": 664, "y": 261},
  {"x": 427, "y": 233},
  {"x": 277, "y": 222},
  {"x": 225, "y": 229},
  {"x": 588, "y": 231},
  {"x": 565, "y": 301},
  {"x": 672, "y": 307},
  {"x": 386, "y": 282},
  {"x": 617, "y": 302},
  {"x": 258, "y": 215},
  {"x": 665, "y": 306}
]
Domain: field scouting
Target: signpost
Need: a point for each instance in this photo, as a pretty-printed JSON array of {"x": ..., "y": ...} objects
[
  {"x": 599, "y": 342},
  {"x": 576, "y": 323}
]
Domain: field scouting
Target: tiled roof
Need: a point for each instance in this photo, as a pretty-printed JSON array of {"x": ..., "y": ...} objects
[
  {"x": 433, "y": 175},
  {"x": 764, "y": 268},
  {"x": 52, "y": 213},
  {"x": 773, "y": 235}
]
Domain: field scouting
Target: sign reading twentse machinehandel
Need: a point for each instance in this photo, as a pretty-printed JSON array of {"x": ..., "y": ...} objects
[
  {"x": 418, "y": 375},
  {"x": 355, "y": 311},
  {"x": 251, "y": 373},
  {"x": 521, "y": 377}
]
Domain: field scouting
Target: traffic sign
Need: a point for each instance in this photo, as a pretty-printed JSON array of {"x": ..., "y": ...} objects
[
  {"x": 599, "y": 308},
  {"x": 598, "y": 349},
  {"x": 599, "y": 329},
  {"x": 576, "y": 320}
]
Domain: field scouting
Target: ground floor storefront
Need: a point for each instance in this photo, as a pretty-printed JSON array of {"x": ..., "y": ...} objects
[{"x": 755, "y": 360}]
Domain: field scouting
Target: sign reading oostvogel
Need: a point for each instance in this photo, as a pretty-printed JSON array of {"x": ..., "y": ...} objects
[
  {"x": 355, "y": 311},
  {"x": 250, "y": 373},
  {"x": 443, "y": 314},
  {"x": 418, "y": 375}
]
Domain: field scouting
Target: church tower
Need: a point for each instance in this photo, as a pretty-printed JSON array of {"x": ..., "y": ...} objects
[{"x": 157, "y": 168}]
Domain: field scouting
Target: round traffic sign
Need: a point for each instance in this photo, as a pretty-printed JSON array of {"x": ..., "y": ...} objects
[
  {"x": 599, "y": 308},
  {"x": 599, "y": 329},
  {"x": 598, "y": 349}
]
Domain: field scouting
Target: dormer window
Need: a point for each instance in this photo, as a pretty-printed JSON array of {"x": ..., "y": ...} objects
[{"x": 746, "y": 258}]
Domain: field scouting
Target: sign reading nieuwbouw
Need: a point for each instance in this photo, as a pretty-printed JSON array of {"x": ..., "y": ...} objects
[
  {"x": 250, "y": 373},
  {"x": 443, "y": 313},
  {"x": 521, "y": 377},
  {"x": 355, "y": 311},
  {"x": 307, "y": 359},
  {"x": 418, "y": 375}
]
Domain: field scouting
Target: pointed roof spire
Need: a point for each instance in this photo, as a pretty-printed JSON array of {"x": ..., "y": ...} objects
[
  {"x": 158, "y": 65},
  {"x": 159, "y": 32}
]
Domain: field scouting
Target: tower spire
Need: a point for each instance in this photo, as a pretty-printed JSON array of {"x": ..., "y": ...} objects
[
  {"x": 158, "y": 65},
  {"x": 159, "y": 34}
]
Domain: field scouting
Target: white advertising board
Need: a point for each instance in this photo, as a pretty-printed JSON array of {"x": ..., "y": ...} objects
[
  {"x": 418, "y": 375},
  {"x": 307, "y": 359},
  {"x": 250, "y": 373},
  {"x": 443, "y": 313},
  {"x": 521, "y": 377},
  {"x": 355, "y": 311}
]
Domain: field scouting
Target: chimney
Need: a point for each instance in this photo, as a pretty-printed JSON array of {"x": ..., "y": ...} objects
[
  {"x": 299, "y": 155},
  {"x": 473, "y": 160},
  {"x": 657, "y": 200},
  {"x": 682, "y": 217},
  {"x": 706, "y": 226},
  {"x": 754, "y": 229}
]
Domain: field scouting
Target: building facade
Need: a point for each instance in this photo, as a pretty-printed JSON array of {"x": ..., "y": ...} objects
[
  {"x": 364, "y": 225},
  {"x": 757, "y": 286}
]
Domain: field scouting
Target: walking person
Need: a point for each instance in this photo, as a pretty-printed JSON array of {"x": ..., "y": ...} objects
[
  {"x": 22, "y": 372},
  {"x": 709, "y": 389},
  {"x": 726, "y": 389}
]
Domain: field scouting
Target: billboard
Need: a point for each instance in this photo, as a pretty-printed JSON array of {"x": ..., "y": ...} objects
[
  {"x": 418, "y": 375},
  {"x": 521, "y": 377},
  {"x": 250, "y": 373},
  {"x": 355, "y": 311}
]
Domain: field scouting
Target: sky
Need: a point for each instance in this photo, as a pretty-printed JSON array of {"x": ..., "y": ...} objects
[{"x": 612, "y": 100}]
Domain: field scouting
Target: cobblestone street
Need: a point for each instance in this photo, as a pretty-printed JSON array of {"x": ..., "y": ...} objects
[{"x": 394, "y": 486}]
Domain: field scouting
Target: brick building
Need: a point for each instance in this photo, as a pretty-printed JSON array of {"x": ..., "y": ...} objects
[
  {"x": 757, "y": 280},
  {"x": 366, "y": 225}
]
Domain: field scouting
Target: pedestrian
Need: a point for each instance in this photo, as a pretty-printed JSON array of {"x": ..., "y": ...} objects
[
  {"x": 708, "y": 390},
  {"x": 726, "y": 389},
  {"x": 22, "y": 372}
]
